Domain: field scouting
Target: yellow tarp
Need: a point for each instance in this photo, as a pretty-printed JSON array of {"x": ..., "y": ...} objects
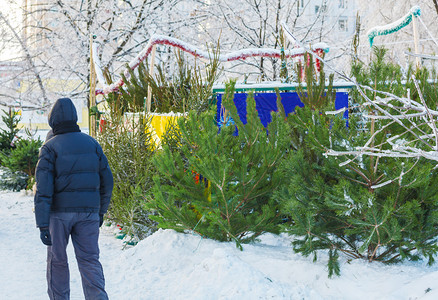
[{"x": 159, "y": 124}]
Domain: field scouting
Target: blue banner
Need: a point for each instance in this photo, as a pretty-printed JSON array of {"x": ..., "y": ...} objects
[{"x": 267, "y": 102}]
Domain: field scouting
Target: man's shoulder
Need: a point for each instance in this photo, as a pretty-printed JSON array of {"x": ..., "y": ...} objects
[
  {"x": 84, "y": 135},
  {"x": 86, "y": 138},
  {"x": 78, "y": 134},
  {"x": 71, "y": 137}
]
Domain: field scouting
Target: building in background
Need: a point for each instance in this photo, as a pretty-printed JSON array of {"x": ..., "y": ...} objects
[{"x": 334, "y": 18}]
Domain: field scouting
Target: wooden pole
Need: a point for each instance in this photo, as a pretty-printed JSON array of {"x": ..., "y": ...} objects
[
  {"x": 92, "y": 96},
  {"x": 151, "y": 73},
  {"x": 224, "y": 115},
  {"x": 416, "y": 41}
]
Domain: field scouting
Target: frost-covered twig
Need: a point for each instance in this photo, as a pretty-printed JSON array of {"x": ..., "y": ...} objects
[
  {"x": 431, "y": 123},
  {"x": 431, "y": 155},
  {"x": 428, "y": 31},
  {"x": 370, "y": 140},
  {"x": 336, "y": 112},
  {"x": 29, "y": 59},
  {"x": 384, "y": 112}
]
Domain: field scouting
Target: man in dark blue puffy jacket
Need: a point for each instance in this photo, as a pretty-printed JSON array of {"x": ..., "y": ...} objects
[{"x": 73, "y": 191}]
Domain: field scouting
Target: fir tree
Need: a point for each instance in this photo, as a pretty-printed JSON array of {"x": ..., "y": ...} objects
[
  {"x": 315, "y": 94},
  {"x": 129, "y": 147},
  {"x": 23, "y": 157},
  {"x": 10, "y": 119},
  {"x": 378, "y": 209},
  {"x": 126, "y": 135},
  {"x": 234, "y": 202}
]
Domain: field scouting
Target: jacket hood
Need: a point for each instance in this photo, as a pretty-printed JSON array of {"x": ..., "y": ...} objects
[{"x": 62, "y": 111}]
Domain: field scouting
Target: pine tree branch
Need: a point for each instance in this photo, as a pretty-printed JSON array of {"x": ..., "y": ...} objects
[
  {"x": 221, "y": 189},
  {"x": 354, "y": 180},
  {"x": 389, "y": 250},
  {"x": 354, "y": 252},
  {"x": 376, "y": 227},
  {"x": 350, "y": 253},
  {"x": 361, "y": 174},
  {"x": 398, "y": 255},
  {"x": 243, "y": 202}
]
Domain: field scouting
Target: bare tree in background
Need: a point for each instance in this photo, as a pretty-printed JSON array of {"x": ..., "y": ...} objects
[
  {"x": 19, "y": 65},
  {"x": 54, "y": 40},
  {"x": 435, "y": 3},
  {"x": 257, "y": 24},
  {"x": 53, "y": 37},
  {"x": 251, "y": 24}
]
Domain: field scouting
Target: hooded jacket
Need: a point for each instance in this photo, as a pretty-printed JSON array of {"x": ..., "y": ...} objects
[{"x": 72, "y": 173}]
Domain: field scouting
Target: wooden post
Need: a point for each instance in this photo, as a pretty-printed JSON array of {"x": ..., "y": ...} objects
[
  {"x": 416, "y": 40},
  {"x": 151, "y": 73},
  {"x": 92, "y": 96}
]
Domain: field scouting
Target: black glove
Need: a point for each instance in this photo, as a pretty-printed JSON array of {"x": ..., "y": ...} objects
[
  {"x": 100, "y": 220},
  {"x": 45, "y": 236}
]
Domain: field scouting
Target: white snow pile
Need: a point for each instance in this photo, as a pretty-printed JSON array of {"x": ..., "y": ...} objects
[{"x": 171, "y": 265}]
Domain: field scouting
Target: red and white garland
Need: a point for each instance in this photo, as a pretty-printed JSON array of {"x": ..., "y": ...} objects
[{"x": 165, "y": 40}]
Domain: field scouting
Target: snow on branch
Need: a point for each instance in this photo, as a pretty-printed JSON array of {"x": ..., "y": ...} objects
[
  {"x": 195, "y": 51},
  {"x": 412, "y": 142},
  {"x": 431, "y": 120},
  {"x": 415, "y": 11}
]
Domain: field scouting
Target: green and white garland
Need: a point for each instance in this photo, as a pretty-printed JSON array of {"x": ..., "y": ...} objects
[{"x": 415, "y": 11}]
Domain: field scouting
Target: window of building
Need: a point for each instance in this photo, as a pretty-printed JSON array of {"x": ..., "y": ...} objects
[
  {"x": 343, "y": 25},
  {"x": 54, "y": 23},
  {"x": 342, "y": 3},
  {"x": 320, "y": 9}
]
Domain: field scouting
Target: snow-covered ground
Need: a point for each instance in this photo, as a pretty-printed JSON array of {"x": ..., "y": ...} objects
[{"x": 170, "y": 265}]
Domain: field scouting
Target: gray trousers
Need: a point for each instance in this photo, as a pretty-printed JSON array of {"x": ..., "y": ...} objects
[{"x": 84, "y": 231}]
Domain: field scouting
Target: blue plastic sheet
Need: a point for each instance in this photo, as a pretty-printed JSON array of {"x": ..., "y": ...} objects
[{"x": 267, "y": 102}]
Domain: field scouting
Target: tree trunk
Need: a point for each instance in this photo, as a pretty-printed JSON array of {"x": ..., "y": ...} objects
[{"x": 435, "y": 3}]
